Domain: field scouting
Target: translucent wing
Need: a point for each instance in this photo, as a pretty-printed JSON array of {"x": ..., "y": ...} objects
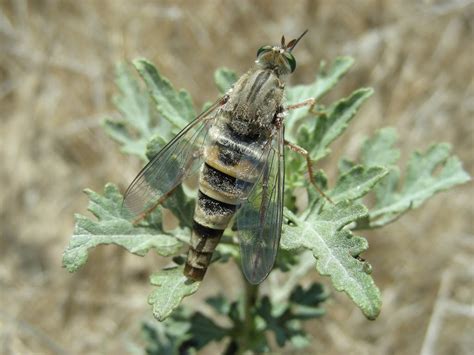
[
  {"x": 259, "y": 219},
  {"x": 178, "y": 159}
]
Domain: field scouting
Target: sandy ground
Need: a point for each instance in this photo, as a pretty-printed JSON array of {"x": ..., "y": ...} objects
[{"x": 56, "y": 82}]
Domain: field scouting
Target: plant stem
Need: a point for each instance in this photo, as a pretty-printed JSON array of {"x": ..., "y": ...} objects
[{"x": 248, "y": 331}]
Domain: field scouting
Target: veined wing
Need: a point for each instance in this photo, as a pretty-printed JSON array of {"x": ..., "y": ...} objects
[
  {"x": 260, "y": 217},
  {"x": 180, "y": 158}
]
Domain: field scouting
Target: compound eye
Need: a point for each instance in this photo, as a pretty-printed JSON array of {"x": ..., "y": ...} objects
[
  {"x": 291, "y": 61},
  {"x": 263, "y": 49}
]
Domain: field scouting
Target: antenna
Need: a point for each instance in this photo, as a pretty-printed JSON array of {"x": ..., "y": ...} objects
[{"x": 294, "y": 42}]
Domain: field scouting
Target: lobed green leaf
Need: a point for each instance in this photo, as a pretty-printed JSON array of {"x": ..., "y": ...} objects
[
  {"x": 135, "y": 128},
  {"x": 220, "y": 304},
  {"x": 284, "y": 319},
  {"x": 326, "y": 79},
  {"x": 336, "y": 251},
  {"x": 316, "y": 135},
  {"x": 356, "y": 182},
  {"x": 204, "y": 330},
  {"x": 353, "y": 184},
  {"x": 172, "y": 287},
  {"x": 380, "y": 150},
  {"x": 280, "y": 323},
  {"x": 422, "y": 178},
  {"x": 113, "y": 227},
  {"x": 161, "y": 340},
  {"x": 174, "y": 106}
]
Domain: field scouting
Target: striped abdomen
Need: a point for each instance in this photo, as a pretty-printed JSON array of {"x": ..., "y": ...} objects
[{"x": 231, "y": 167}]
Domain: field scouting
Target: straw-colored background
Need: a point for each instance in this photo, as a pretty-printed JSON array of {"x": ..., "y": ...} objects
[{"x": 56, "y": 82}]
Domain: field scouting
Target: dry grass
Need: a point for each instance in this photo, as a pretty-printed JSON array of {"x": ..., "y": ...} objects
[{"x": 56, "y": 80}]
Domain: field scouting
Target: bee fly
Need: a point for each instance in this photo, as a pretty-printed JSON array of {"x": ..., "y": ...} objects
[{"x": 238, "y": 145}]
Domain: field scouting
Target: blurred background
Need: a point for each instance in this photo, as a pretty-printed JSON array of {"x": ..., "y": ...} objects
[{"x": 57, "y": 63}]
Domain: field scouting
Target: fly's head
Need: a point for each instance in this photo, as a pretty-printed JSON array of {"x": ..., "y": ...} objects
[{"x": 278, "y": 58}]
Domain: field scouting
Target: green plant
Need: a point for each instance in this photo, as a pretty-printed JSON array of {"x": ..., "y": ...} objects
[{"x": 321, "y": 235}]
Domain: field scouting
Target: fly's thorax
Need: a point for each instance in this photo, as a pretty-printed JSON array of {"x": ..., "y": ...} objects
[{"x": 254, "y": 101}]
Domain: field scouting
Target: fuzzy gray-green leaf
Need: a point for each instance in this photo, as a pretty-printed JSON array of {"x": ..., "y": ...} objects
[
  {"x": 82, "y": 241},
  {"x": 134, "y": 129},
  {"x": 344, "y": 165},
  {"x": 326, "y": 79},
  {"x": 224, "y": 79},
  {"x": 350, "y": 186},
  {"x": 133, "y": 101},
  {"x": 336, "y": 251},
  {"x": 421, "y": 180},
  {"x": 357, "y": 182},
  {"x": 112, "y": 227},
  {"x": 420, "y": 183},
  {"x": 379, "y": 150},
  {"x": 172, "y": 287},
  {"x": 118, "y": 130},
  {"x": 175, "y": 106},
  {"x": 316, "y": 135}
]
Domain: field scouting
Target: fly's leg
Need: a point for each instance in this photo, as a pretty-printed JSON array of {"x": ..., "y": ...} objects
[
  {"x": 309, "y": 102},
  {"x": 144, "y": 214},
  {"x": 281, "y": 112},
  {"x": 309, "y": 164},
  {"x": 312, "y": 104}
]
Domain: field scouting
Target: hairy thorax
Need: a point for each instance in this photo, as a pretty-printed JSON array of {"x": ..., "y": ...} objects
[{"x": 254, "y": 101}]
